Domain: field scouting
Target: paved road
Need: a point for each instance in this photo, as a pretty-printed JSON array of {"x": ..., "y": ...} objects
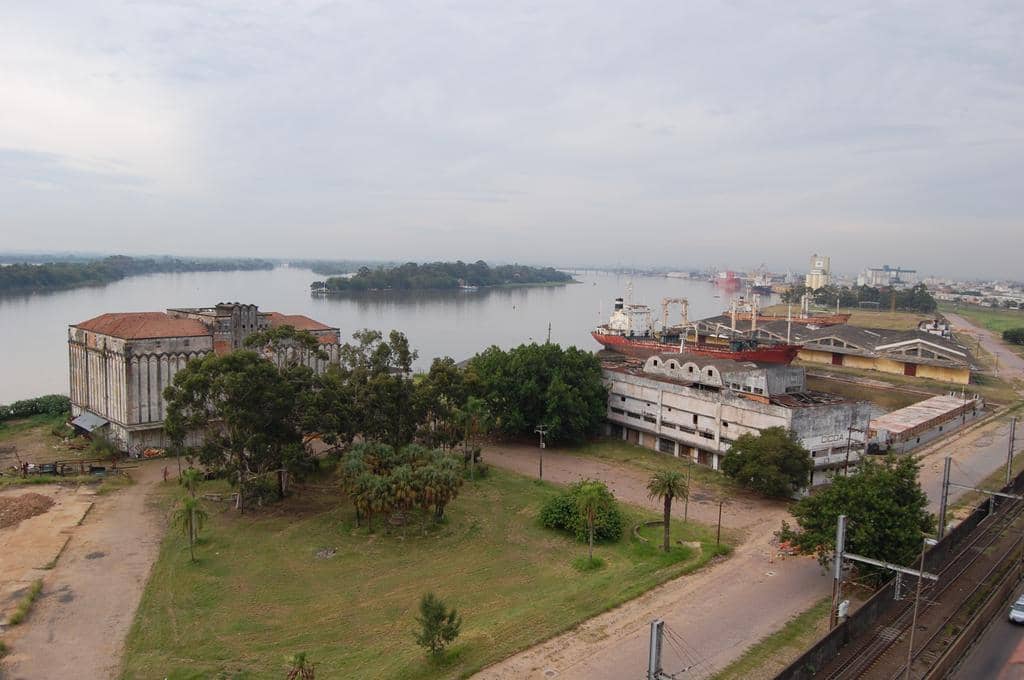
[
  {"x": 717, "y": 612},
  {"x": 992, "y": 650},
  {"x": 975, "y": 455},
  {"x": 1010, "y": 363}
]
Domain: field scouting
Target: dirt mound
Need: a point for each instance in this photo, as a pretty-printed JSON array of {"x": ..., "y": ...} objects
[{"x": 13, "y": 509}]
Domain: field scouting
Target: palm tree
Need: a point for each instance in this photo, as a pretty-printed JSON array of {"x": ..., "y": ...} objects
[
  {"x": 588, "y": 501},
  {"x": 475, "y": 417},
  {"x": 190, "y": 479},
  {"x": 190, "y": 517},
  {"x": 667, "y": 485}
]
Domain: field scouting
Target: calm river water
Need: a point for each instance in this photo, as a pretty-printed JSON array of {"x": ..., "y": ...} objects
[{"x": 458, "y": 324}]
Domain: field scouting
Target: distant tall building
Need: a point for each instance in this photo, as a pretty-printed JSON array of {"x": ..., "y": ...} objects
[
  {"x": 820, "y": 274},
  {"x": 886, "y": 276}
]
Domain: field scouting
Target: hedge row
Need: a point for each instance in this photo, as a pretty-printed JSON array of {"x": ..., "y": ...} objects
[{"x": 52, "y": 404}]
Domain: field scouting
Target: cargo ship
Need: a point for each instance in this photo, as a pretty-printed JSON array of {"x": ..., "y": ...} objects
[
  {"x": 630, "y": 331},
  {"x": 727, "y": 280}
]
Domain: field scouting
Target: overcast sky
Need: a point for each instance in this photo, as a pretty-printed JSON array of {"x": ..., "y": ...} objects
[{"x": 670, "y": 133}]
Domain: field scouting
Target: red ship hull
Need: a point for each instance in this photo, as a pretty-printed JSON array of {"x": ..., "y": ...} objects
[{"x": 770, "y": 354}]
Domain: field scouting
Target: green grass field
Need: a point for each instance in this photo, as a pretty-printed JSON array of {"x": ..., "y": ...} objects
[
  {"x": 259, "y": 592},
  {"x": 997, "y": 320},
  {"x": 44, "y": 422}
]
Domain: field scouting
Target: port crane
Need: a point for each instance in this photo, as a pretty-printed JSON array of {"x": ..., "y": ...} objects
[{"x": 666, "y": 304}]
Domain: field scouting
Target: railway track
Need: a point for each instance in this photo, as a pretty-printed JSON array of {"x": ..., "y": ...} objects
[
  {"x": 872, "y": 657},
  {"x": 949, "y": 627}
]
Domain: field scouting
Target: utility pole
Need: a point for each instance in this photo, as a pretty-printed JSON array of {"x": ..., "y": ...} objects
[
  {"x": 1009, "y": 449},
  {"x": 654, "y": 670},
  {"x": 945, "y": 494},
  {"x": 541, "y": 430},
  {"x": 837, "y": 571},
  {"x": 718, "y": 537},
  {"x": 549, "y": 333},
  {"x": 789, "y": 322},
  {"x": 917, "y": 600},
  {"x": 849, "y": 444},
  {"x": 686, "y": 501}
]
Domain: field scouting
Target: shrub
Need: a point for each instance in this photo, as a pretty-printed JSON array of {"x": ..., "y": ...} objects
[
  {"x": 1014, "y": 336},
  {"x": 562, "y": 513},
  {"x": 50, "y": 404},
  {"x": 260, "y": 491},
  {"x": 101, "y": 447}
]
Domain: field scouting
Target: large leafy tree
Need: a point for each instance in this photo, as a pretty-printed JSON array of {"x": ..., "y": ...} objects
[
  {"x": 286, "y": 346},
  {"x": 540, "y": 384},
  {"x": 376, "y": 372},
  {"x": 773, "y": 463},
  {"x": 667, "y": 485},
  {"x": 440, "y": 393},
  {"x": 886, "y": 512},
  {"x": 246, "y": 410}
]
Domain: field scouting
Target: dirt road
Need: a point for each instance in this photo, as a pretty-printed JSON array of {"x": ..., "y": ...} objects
[
  {"x": 717, "y": 612},
  {"x": 1011, "y": 365},
  {"x": 78, "y": 626}
]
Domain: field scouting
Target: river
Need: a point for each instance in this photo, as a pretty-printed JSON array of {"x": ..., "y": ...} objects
[{"x": 453, "y": 323}]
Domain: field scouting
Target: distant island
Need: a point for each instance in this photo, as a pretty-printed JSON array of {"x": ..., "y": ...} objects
[
  {"x": 338, "y": 267},
  {"x": 24, "y": 277},
  {"x": 440, "y": 276}
]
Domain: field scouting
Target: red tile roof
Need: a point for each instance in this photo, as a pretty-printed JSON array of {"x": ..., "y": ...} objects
[
  {"x": 298, "y": 321},
  {"x": 139, "y": 325}
]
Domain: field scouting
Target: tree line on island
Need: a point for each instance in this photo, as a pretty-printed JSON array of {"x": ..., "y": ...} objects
[
  {"x": 439, "y": 276},
  {"x": 58, "y": 275}
]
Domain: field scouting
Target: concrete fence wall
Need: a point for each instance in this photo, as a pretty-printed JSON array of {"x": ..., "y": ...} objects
[{"x": 863, "y": 620}]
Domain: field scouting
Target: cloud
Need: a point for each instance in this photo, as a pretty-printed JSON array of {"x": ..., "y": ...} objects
[{"x": 730, "y": 133}]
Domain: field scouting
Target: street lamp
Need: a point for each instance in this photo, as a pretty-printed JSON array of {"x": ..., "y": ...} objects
[
  {"x": 917, "y": 599},
  {"x": 541, "y": 430}
]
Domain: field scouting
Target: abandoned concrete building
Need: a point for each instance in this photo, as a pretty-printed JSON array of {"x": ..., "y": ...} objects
[
  {"x": 120, "y": 363},
  {"x": 688, "y": 405}
]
